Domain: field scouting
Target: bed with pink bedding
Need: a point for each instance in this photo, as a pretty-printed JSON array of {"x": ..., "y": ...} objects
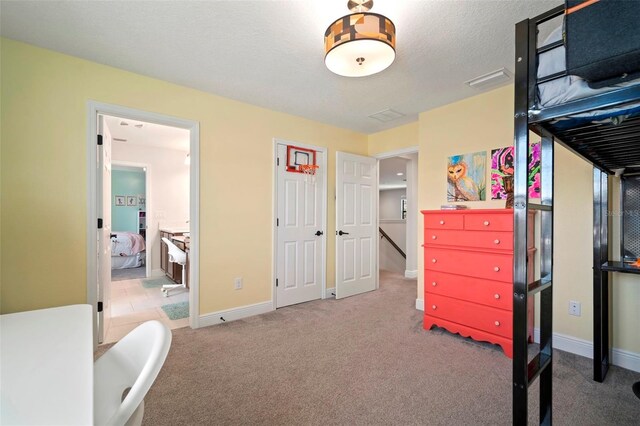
[{"x": 127, "y": 250}]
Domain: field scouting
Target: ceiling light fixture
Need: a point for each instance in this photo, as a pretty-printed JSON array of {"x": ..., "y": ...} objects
[
  {"x": 400, "y": 174},
  {"x": 360, "y": 44}
]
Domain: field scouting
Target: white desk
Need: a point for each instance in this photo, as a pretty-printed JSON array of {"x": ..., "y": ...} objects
[{"x": 46, "y": 367}]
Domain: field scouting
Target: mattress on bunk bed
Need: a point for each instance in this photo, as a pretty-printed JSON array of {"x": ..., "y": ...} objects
[
  {"x": 571, "y": 88},
  {"x": 127, "y": 250}
]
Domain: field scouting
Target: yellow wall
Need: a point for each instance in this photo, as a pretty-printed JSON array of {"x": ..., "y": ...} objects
[
  {"x": 44, "y": 186},
  {"x": 393, "y": 139},
  {"x": 484, "y": 122},
  {"x": 625, "y": 288}
]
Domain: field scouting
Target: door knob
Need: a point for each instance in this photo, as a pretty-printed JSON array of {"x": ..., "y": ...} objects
[
  {"x": 342, "y": 233},
  {"x": 318, "y": 233}
]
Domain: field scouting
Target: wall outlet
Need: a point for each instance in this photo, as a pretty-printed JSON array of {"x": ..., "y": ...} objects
[
  {"x": 237, "y": 283},
  {"x": 574, "y": 308}
]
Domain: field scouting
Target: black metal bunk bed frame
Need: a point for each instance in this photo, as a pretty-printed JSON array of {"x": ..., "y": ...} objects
[{"x": 609, "y": 148}]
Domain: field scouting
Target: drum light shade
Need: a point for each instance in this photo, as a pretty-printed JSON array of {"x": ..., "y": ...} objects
[{"x": 360, "y": 44}]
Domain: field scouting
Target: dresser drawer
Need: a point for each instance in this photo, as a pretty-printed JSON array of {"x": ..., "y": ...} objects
[
  {"x": 477, "y": 239},
  {"x": 443, "y": 221},
  {"x": 496, "y": 321},
  {"x": 489, "y": 222},
  {"x": 490, "y": 266},
  {"x": 491, "y": 293}
]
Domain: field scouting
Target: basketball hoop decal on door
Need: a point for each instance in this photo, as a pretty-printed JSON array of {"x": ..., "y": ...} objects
[{"x": 302, "y": 160}]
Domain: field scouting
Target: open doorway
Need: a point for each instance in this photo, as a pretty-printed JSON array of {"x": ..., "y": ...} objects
[
  {"x": 129, "y": 243},
  {"x": 145, "y": 199},
  {"x": 398, "y": 212},
  {"x": 147, "y": 283}
]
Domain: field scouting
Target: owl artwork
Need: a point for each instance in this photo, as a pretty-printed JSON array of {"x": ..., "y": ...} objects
[{"x": 466, "y": 177}]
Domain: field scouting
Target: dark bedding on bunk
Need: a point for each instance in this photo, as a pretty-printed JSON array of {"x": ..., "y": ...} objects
[
  {"x": 601, "y": 44},
  {"x": 603, "y": 41},
  {"x": 601, "y": 53}
]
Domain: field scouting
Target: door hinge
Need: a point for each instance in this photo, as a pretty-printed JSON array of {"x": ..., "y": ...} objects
[
  {"x": 276, "y": 282},
  {"x": 99, "y": 306},
  {"x": 99, "y": 139},
  {"x": 278, "y": 161},
  {"x": 278, "y": 222},
  {"x": 99, "y": 223}
]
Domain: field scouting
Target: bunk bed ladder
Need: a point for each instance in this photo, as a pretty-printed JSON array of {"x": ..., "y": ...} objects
[
  {"x": 525, "y": 371},
  {"x": 600, "y": 276}
]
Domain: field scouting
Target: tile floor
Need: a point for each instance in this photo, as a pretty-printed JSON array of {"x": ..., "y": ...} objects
[{"x": 132, "y": 304}]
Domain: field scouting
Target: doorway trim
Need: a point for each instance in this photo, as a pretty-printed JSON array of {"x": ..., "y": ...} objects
[
  {"x": 93, "y": 109},
  {"x": 148, "y": 202},
  {"x": 413, "y": 197},
  {"x": 274, "y": 201}
]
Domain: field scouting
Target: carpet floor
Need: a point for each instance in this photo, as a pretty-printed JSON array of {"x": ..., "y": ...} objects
[{"x": 364, "y": 360}]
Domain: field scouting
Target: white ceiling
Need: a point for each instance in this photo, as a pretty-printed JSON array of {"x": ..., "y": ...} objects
[
  {"x": 270, "y": 53},
  {"x": 389, "y": 169},
  {"x": 147, "y": 134}
]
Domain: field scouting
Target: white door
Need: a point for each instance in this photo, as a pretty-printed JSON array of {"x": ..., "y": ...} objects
[
  {"x": 300, "y": 259},
  {"x": 356, "y": 224},
  {"x": 104, "y": 241}
]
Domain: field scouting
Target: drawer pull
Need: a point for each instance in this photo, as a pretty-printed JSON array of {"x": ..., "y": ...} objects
[
  {"x": 434, "y": 283},
  {"x": 434, "y": 307},
  {"x": 486, "y": 223},
  {"x": 497, "y": 323},
  {"x": 442, "y": 222},
  {"x": 496, "y": 296},
  {"x": 496, "y": 241},
  {"x": 433, "y": 237},
  {"x": 496, "y": 268},
  {"x": 434, "y": 260}
]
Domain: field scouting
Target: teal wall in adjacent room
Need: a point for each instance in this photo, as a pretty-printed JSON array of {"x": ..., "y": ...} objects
[{"x": 126, "y": 183}]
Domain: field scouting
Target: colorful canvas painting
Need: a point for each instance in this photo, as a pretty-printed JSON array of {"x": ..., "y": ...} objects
[
  {"x": 502, "y": 160},
  {"x": 466, "y": 177}
]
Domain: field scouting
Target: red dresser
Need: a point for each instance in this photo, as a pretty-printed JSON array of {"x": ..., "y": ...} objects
[{"x": 468, "y": 277}]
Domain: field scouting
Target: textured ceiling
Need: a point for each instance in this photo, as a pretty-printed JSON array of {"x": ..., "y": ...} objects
[{"x": 270, "y": 53}]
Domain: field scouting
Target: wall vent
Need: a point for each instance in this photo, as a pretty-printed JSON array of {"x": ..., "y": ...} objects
[{"x": 491, "y": 79}]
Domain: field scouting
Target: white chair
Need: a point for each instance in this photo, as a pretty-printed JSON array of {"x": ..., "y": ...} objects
[
  {"x": 132, "y": 366},
  {"x": 176, "y": 256}
]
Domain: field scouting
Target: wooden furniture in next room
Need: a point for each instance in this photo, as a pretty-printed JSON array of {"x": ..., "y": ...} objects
[
  {"x": 468, "y": 277},
  {"x": 174, "y": 270}
]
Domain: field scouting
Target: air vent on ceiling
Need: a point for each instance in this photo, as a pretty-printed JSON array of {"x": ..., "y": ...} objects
[
  {"x": 386, "y": 115},
  {"x": 119, "y": 140},
  {"x": 491, "y": 79}
]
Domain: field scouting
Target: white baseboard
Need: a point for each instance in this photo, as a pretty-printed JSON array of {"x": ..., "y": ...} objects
[
  {"x": 420, "y": 304},
  {"x": 619, "y": 357},
  {"x": 157, "y": 273},
  {"x": 234, "y": 314},
  {"x": 329, "y": 293},
  {"x": 411, "y": 274},
  {"x": 626, "y": 359}
]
